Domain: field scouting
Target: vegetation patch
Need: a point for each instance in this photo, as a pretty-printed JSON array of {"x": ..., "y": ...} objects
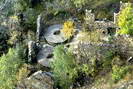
[
  {"x": 68, "y": 29},
  {"x": 125, "y": 20},
  {"x": 119, "y": 72},
  {"x": 63, "y": 67},
  {"x": 9, "y": 65}
]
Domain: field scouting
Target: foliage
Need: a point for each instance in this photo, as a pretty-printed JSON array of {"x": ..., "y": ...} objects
[
  {"x": 29, "y": 22},
  {"x": 90, "y": 36},
  {"x": 14, "y": 37},
  {"x": 125, "y": 20},
  {"x": 118, "y": 72},
  {"x": 20, "y": 5},
  {"x": 68, "y": 29},
  {"x": 117, "y": 61},
  {"x": 22, "y": 73},
  {"x": 80, "y": 3},
  {"x": 59, "y": 5},
  {"x": 31, "y": 35},
  {"x": 88, "y": 69},
  {"x": 108, "y": 57},
  {"x": 63, "y": 67},
  {"x": 9, "y": 65}
]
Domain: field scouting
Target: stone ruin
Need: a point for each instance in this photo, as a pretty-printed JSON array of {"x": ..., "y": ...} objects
[
  {"x": 52, "y": 35},
  {"x": 106, "y": 25},
  {"x": 49, "y": 30}
]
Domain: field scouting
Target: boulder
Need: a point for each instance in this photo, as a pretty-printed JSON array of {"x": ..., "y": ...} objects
[
  {"x": 39, "y": 80},
  {"x": 32, "y": 50},
  {"x": 45, "y": 55}
]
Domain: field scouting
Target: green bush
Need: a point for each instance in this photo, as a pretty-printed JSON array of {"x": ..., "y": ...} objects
[
  {"x": 88, "y": 69},
  {"x": 63, "y": 67},
  {"x": 22, "y": 73},
  {"x": 31, "y": 15},
  {"x": 108, "y": 57},
  {"x": 125, "y": 20},
  {"x": 118, "y": 72},
  {"x": 80, "y": 3},
  {"x": 20, "y": 5},
  {"x": 9, "y": 65}
]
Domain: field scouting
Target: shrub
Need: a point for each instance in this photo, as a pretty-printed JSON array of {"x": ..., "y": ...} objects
[
  {"x": 63, "y": 67},
  {"x": 108, "y": 57},
  {"x": 118, "y": 72},
  {"x": 15, "y": 37},
  {"x": 117, "y": 61},
  {"x": 125, "y": 20},
  {"x": 68, "y": 29},
  {"x": 79, "y": 3},
  {"x": 92, "y": 36},
  {"x": 20, "y": 5},
  {"x": 9, "y": 65},
  {"x": 88, "y": 69},
  {"x": 31, "y": 15},
  {"x": 22, "y": 73},
  {"x": 31, "y": 35}
]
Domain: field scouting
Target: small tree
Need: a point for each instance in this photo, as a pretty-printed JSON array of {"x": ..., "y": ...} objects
[
  {"x": 9, "y": 65},
  {"x": 63, "y": 67},
  {"x": 125, "y": 20}
]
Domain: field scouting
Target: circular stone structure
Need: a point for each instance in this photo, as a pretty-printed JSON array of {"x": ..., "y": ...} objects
[{"x": 53, "y": 34}]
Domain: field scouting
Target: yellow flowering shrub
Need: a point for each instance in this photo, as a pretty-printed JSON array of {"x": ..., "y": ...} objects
[{"x": 68, "y": 29}]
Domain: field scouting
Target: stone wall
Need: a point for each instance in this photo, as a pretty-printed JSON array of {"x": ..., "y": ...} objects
[{"x": 104, "y": 24}]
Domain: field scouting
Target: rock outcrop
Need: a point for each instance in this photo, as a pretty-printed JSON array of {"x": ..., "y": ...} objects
[
  {"x": 45, "y": 55},
  {"x": 32, "y": 48},
  {"x": 85, "y": 52},
  {"x": 127, "y": 85},
  {"x": 39, "y": 80}
]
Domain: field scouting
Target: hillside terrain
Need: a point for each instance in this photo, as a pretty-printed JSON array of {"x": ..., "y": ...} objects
[{"x": 66, "y": 44}]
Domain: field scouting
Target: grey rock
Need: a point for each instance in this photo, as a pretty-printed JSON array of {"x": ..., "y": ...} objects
[
  {"x": 39, "y": 80},
  {"x": 45, "y": 55},
  {"x": 87, "y": 51},
  {"x": 32, "y": 51},
  {"x": 38, "y": 27},
  {"x": 53, "y": 34},
  {"x": 127, "y": 85}
]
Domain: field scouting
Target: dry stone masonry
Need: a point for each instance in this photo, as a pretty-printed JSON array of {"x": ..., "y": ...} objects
[
  {"x": 104, "y": 24},
  {"x": 50, "y": 31}
]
